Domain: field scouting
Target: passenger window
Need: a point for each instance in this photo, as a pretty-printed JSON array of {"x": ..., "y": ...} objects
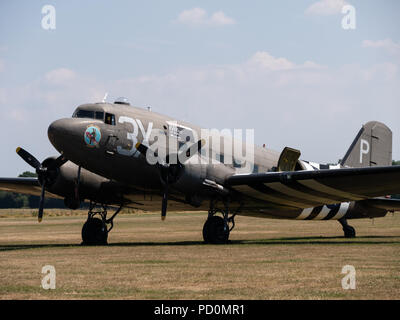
[{"x": 110, "y": 119}]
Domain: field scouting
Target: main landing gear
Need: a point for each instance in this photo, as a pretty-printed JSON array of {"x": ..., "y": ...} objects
[
  {"x": 349, "y": 231},
  {"x": 95, "y": 230},
  {"x": 216, "y": 229}
]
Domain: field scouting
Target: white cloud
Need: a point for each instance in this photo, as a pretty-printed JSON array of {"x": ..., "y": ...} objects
[
  {"x": 219, "y": 19},
  {"x": 387, "y": 44},
  {"x": 199, "y": 17},
  {"x": 326, "y": 7},
  {"x": 59, "y": 76},
  {"x": 265, "y": 60},
  {"x": 193, "y": 16}
]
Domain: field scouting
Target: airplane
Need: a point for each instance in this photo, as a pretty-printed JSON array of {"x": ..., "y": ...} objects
[{"x": 105, "y": 152}]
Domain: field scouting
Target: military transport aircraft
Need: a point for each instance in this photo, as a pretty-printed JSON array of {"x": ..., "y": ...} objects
[{"x": 105, "y": 150}]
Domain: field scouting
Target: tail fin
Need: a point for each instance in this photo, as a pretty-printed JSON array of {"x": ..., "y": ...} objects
[{"x": 371, "y": 147}]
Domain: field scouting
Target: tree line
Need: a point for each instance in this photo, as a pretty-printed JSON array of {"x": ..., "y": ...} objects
[{"x": 17, "y": 200}]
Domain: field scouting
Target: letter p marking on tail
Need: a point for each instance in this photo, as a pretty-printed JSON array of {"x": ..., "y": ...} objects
[{"x": 364, "y": 148}]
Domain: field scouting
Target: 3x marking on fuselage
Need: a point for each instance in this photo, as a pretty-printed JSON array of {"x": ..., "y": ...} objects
[{"x": 133, "y": 136}]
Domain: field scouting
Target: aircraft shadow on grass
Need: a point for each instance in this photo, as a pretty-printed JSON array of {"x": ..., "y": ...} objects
[{"x": 367, "y": 240}]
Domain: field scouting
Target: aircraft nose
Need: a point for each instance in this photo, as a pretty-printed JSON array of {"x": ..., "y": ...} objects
[
  {"x": 61, "y": 133},
  {"x": 55, "y": 131}
]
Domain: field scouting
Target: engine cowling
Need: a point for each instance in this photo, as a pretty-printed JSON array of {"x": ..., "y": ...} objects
[{"x": 63, "y": 181}]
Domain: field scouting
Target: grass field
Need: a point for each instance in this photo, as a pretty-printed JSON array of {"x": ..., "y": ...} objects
[{"x": 150, "y": 259}]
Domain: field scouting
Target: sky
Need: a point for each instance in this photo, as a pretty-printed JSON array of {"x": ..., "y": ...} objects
[{"x": 291, "y": 70}]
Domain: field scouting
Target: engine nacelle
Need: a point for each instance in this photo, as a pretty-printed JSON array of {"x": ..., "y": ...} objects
[
  {"x": 189, "y": 179},
  {"x": 365, "y": 209},
  {"x": 63, "y": 182},
  {"x": 198, "y": 180}
]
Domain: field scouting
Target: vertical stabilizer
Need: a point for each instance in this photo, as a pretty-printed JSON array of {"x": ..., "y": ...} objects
[{"x": 371, "y": 147}]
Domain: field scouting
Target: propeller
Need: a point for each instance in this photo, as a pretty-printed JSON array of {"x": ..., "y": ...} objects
[
  {"x": 164, "y": 203},
  {"x": 45, "y": 173},
  {"x": 168, "y": 170}
]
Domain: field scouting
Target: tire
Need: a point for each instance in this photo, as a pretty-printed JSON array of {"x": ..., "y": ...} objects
[
  {"x": 213, "y": 231},
  {"x": 349, "y": 232},
  {"x": 94, "y": 232}
]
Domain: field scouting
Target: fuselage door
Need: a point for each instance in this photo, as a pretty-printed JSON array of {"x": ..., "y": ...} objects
[{"x": 288, "y": 159}]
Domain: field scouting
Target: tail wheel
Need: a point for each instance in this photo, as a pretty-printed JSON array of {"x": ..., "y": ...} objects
[
  {"x": 94, "y": 232},
  {"x": 215, "y": 231},
  {"x": 349, "y": 232}
]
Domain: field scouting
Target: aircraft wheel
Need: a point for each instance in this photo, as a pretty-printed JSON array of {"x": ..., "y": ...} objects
[
  {"x": 94, "y": 232},
  {"x": 349, "y": 232},
  {"x": 214, "y": 231}
]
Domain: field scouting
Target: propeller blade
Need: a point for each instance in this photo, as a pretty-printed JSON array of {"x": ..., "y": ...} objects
[
  {"x": 58, "y": 162},
  {"x": 141, "y": 148},
  {"x": 41, "y": 204},
  {"x": 78, "y": 181},
  {"x": 44, "y": 173},
  {"x": 164, "y": 205},
  {"x": 165, "y": 172},
  {"x": 193, "y": 149},
  {"x": 30, "y": 159},
  {"x": 165, "y": 200}
]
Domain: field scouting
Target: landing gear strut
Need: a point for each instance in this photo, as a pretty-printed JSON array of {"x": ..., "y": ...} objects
[
  {"x": 216, "y": 229},
  {"x": 95, "y": 230},
  {"x": 349, "y": 231}
]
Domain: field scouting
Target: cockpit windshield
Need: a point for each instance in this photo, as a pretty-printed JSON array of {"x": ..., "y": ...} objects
[{"x": 80, "y": 113}]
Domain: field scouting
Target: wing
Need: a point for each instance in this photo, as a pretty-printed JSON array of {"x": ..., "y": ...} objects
[
  {"x": 21, "y": 185},
  {"x": 306, "y": 189}
]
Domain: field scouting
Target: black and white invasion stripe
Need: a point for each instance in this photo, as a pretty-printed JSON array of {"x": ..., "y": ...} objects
[{"x": 326, "y": 212}]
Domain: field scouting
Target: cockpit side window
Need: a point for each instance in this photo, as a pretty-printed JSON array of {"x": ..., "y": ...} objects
[{"x": 110, "y": 119}]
